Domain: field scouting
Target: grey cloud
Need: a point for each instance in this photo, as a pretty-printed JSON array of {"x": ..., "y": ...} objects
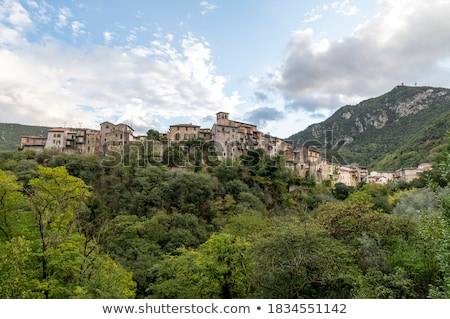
[
  {"x": 208, "y": 119},
  {"x": 262, "y": 115},
  {"x": 318, "y": 116},
  {"x": 261, "y": 96},
  {"x": 312, "y": 103}
]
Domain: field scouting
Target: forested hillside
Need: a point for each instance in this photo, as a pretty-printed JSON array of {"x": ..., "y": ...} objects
[
  {"x": 402, "y": 128},
  {"x": 72, "y": 227},
  {"x": 10, "y": 134}
]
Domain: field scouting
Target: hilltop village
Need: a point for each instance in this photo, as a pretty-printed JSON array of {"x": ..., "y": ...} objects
[{"x": 230, "y": 139}]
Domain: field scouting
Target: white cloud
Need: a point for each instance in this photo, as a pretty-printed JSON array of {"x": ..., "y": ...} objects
[
  {"x": 344, "y": 7},
  {"x": 108, "y": 36},
  {"x": 312, "y": 18},
  {"x": 139, "y": 85},
  {"x": 207, "y": 7},
  {"x": 14, "y": 14},
  {"x": 77, "y": 28},
  {"x": 63, "y": 17}
]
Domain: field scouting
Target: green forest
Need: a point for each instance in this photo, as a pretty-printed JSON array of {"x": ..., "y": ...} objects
[{"x": 73, "y": 227}]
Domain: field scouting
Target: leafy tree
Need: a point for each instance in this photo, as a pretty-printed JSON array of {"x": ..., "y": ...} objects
[
  {"x": 153, "y": 135},
  {"x": 248, "y": 224},
  {"x": 385, "y": 246},
  {"x": 189, "y": 192},
  {"x": 300, "y": 260},
  {"x": 12, "y": 207},
  {"x": 218, "y": 269},
  {"x": 175, "y": 156},
  {"x": 235, "y": 187},
  {"x": 342, "y": 191},
  {"x": 15, "y": 269},
  {"x": 416, "y": 203},
  {"x": 227, "y": 171},
  {"x": 44, "y": 253},
  {"x": 441, "y": 229}
]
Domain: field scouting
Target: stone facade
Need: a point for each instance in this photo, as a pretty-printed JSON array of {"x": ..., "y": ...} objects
[
  {"x": 115, "y": 136},
  {"x": 74, "y": 141},
  {"x": 33, "y": 143},
  {"x": 183, "y": 132}
]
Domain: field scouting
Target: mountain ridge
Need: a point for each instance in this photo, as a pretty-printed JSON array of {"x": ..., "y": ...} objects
[
  {"x": 403, "y": 127},
  {"x": 10, "y": 134}
]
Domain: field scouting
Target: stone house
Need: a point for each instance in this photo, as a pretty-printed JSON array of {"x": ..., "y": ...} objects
[
  {"x": 183, "y": 132},
  {"x": 234, "y": 138},
  {"x": 115, "y": 136},
  {"x": 381, "y": 177},
  {"x": 33, "y": 143},
  {"x": 409, "y": 174},
  {"x": 58, "y": 138},
  {"x": 205, "y": 133},
  {"x": 73, "y": 141}
]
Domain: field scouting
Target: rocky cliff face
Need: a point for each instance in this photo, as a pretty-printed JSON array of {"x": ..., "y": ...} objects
[
  {"x": 382, "y": 123},
  {"x": 391, "y": 110}
]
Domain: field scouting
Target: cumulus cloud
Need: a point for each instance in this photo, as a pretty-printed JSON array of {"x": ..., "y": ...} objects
[
  {"x": 49, "y": 83},
  {"x": 409, "y": 41}
]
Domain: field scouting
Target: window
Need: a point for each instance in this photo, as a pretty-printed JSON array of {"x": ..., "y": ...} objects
[
  {"x": 195, "y": 136},
  {"x": 107, "y": 126},
  {"x": 186, "y": 136},
  {"x": 195, "y": 129},
  {"x": 178, "y": 128},
  {"x": 177, "y": 136},
  {"x": 186, "y": 128}
]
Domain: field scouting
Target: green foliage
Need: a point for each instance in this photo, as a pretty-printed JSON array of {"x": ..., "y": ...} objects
[
  {"x": 175, "y": 156},
  {"x": 247, "y": 224},
  {"x": 441, "y": 227},
  {"x": 342, "y": 191},
  {"x": 12, "y": 207},
  {"x": 153, "y": 135},
  {"x": 79, "y": 229},
  {"x": 416, "y": 203},
  {"x": 189, "y": 192},
  {"x": 44, "y": 254},
  {"x": 10, "y": 134},
  {"x": 15, "y": 270},
  {"x": 300, "y": 260},
  {"x": 217, "y": 269}
]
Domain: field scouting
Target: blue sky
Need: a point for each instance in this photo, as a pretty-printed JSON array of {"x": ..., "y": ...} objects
[{"x": 282, "y": 65}]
